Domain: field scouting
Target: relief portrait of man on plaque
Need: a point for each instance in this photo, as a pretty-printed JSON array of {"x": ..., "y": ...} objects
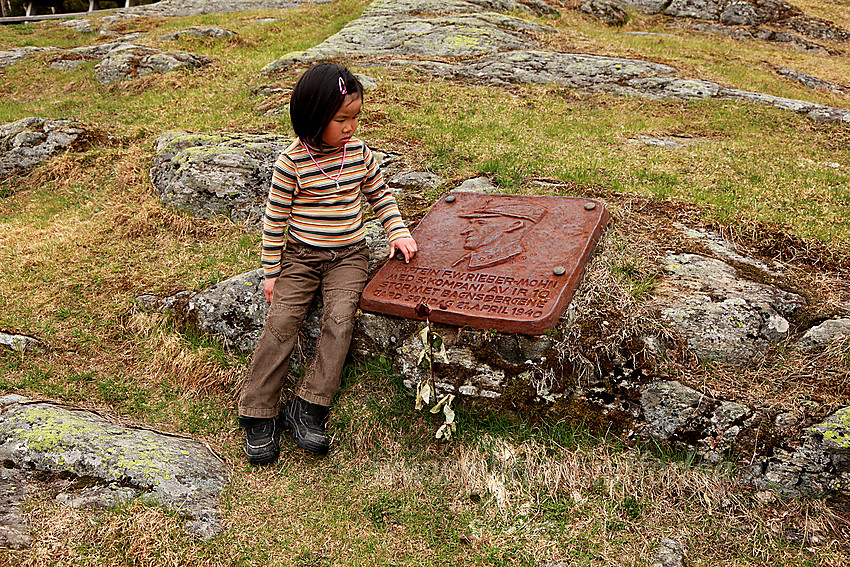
[{"x": 495, "y": 231}]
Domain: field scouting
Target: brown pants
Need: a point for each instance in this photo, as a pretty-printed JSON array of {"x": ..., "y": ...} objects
[{"x": 341, "y": 273}]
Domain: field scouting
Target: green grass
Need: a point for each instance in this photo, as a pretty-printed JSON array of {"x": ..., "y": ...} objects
[{"x": 82, "y": 235}]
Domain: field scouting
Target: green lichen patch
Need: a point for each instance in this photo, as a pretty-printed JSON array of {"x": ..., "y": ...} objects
[
  {"x": 177, "y": 472},
  {"x": 836, "y": 430}
]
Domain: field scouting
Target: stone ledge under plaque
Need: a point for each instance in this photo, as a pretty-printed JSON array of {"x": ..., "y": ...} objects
[{"x": 510, "y": 263}]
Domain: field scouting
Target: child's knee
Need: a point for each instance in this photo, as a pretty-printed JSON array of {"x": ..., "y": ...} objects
[
  {"x": 284, "y": 320},
  {"x": 340, "y": 306}
]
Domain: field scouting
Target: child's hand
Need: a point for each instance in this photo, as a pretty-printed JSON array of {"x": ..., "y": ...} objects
[
  {"x": 268, "y": 288},
  {"x": 406, "y": 246}
]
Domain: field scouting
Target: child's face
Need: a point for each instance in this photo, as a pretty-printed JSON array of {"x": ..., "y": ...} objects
[{"x": 344, "y": 123}]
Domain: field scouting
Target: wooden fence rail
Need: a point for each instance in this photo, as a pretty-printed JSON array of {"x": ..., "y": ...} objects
[{"x": 31, "y": 6}]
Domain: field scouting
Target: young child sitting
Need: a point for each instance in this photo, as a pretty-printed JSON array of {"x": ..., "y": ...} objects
[{"x": 313, "y": 237}]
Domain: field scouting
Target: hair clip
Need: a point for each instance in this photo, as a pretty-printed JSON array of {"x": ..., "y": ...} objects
[{"x": 342, "y": 89}]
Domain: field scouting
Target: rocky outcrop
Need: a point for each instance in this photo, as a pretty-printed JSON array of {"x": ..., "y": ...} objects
[
  {"x": 758, "y": 12},
  {"x": 12, "y": 56},
  {"x": 702, "y": 299},
  {"x": 612, "y": 74},
  {"x": 605, "y": 10},
  {"x": 81, "y": 25},
  {"x": 123, "y": 463},
  {"x": 720, "y": 248},
  {"x": 818, "y": 465},
  {"x": 30, "y": 141},
  {"x": 646, "y": 6},
  {"x": 708, "y": 299},
  {"x": 670, "y": 553},
  {"x": 460, "y": 35},
  {"x": 755, "y": 15},
  {"x": 414, "y": 181},
  {"x": 129, "y": 60},
  {"x": 814, "y": 463},
  {"x": 425, "y": 30},
  {"x": 216, "y": 174},
  {"x": 830, "y": 331},
  {"x": 490, "y": 365},
  {"x": 14, "y": 526},
  {"x": 70, "y": 58},
  {"x": 118, "y": 60},
  {"x": 199, "y": 32},
  {"x": 812, "y": 82},
  {"x": 183, "y": 8},
  {"x": 235, "y": 310},
  {"x": 543, "y": 67},
  {"x": 755, "y": 33},
  {"x": 722, "y": 316},
  {"x": 223, "y": 173},
  {"x": 122, "y": 59},
  {"x": 680, "y": 415},
  {"x": 476, "y": 41}
]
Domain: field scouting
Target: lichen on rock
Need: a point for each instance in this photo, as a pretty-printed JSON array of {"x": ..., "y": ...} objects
[
  {"x": 12, "y": 56},
  {"x": 199, "y": 32},
  {"x": 821, "y": 335},
  {"x": 129, "y": 60},
  {"x": 216, "y": 174},
  {"x": 476, "y": 41},
  {"x": 818, "y": 465},
  {"x": 459, "y": 30},
  {"x": 836, "y": 431},
  {"x": 723, "y": 317},
  {"x": 175, "y": 472}
]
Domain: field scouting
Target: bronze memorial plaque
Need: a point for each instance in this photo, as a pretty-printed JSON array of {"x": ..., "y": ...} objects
[{"x": 505, "y": 262}]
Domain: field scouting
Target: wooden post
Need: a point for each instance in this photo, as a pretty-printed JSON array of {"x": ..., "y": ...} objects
[{"x": 94, "y": 5}]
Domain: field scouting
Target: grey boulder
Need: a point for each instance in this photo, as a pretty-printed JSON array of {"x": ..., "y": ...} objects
[
  {"x": 831, "y": 330},
  {"x": 235, "y": 309},
  {"x": 27, "y": 142},
  {"x": 199, "y": 32},
  {"x": 216, "y": 174},
  {"x": 17, "y": 54},
  {"x": 176, "y": 472},
  {"x": 722, "y": 317},
  {"x": 818, "y": 464},
  {"x": 129, "y": 60},
  {"x": 606, "y": 10}
]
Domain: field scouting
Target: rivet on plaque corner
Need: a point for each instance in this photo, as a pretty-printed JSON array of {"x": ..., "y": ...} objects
[
  {"x": 450, "y": 199},
  {"x": 590, "y": 205},
  {"x": 559, "y": 270}
]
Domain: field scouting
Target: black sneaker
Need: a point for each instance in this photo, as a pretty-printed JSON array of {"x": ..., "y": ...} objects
[
  {"x": 261, "y": 444},
  {"x": 307, "y": 423}
]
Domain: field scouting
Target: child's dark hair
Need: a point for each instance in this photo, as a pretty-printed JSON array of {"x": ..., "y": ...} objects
[{"x": 317, "y": 96}]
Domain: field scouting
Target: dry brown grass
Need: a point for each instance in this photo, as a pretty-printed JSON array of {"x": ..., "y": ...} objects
[
  {"x": 812, "y": 384},
  {"x": 605, "y": 506},
  {"x": 193, "y": 369},
  {"x": 141, "y": 535},
  {"x": 85, "y": 234}
]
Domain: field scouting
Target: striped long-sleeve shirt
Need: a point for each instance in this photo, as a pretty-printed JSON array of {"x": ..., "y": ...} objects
[{"x": 310, "y": 208}]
